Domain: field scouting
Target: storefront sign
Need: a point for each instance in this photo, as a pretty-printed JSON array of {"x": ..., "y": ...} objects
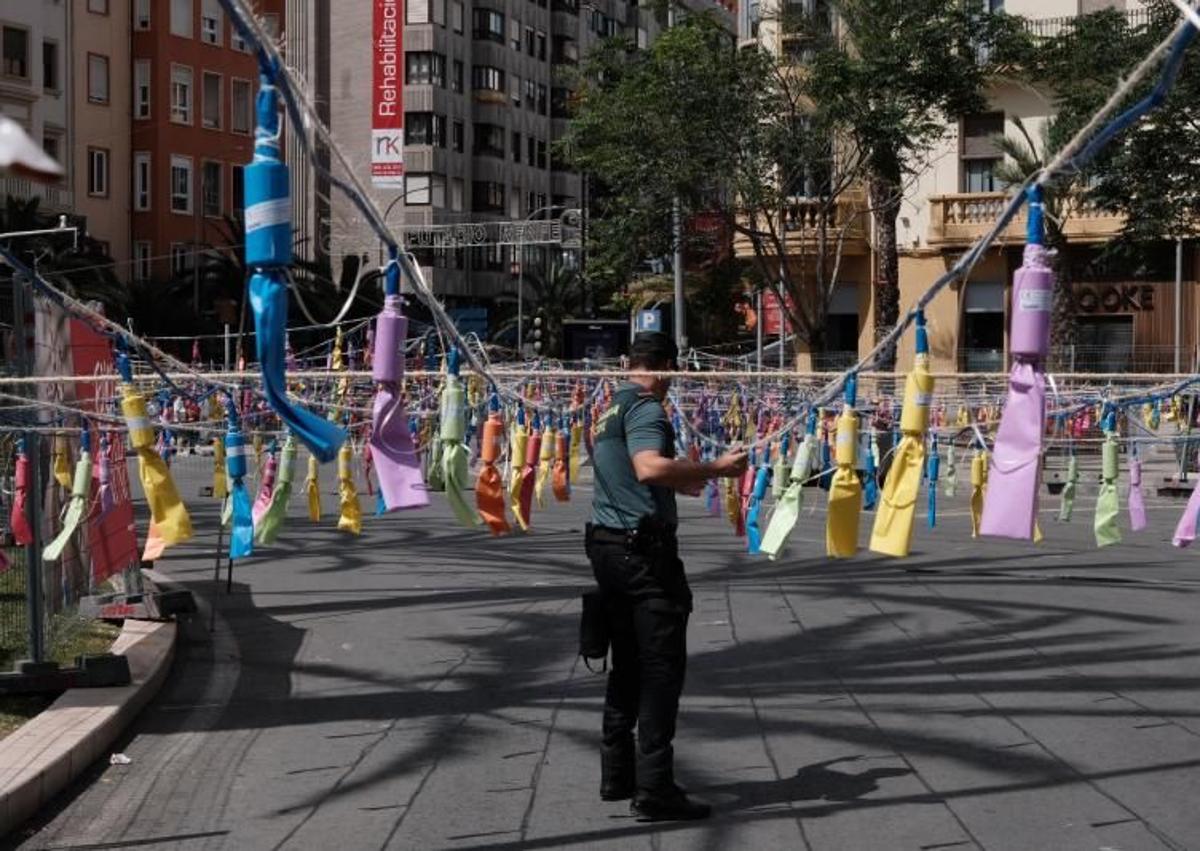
[
  {"x": 387, "y": 96},
  {"x": 1114, "y": 298}
]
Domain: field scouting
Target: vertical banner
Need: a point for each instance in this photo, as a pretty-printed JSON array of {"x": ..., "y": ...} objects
[{"x": 387, "y": 95}]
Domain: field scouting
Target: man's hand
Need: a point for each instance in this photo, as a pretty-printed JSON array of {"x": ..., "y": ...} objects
[{"x": 732, "y": 464}]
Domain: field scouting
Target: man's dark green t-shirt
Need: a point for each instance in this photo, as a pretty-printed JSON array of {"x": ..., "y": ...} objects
[{"x": 636, "y": 421}]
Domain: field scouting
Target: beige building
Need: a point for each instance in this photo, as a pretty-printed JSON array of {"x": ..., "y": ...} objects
[
  {"x": 953, "y": 200},
  {"x": 101, "y": 106}
]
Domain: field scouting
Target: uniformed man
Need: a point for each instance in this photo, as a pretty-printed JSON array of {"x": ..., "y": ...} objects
[{"x": 635, "y": 557}]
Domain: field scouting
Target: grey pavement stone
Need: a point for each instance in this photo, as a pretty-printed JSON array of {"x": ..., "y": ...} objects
[{"x": 416, "y": 688}]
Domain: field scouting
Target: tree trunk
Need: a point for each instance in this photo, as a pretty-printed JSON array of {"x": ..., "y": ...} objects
[{"x": 885, "y": 205}]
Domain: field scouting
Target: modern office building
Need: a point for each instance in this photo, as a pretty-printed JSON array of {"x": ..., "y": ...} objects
[
  {"x": 485, "y": 96},
  {"x": 194, "y": 83},
  {"x": 1124, "y": 320}
]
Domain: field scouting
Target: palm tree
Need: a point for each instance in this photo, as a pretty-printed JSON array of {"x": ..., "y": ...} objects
[
  {"x": 1023, "y": 159},
  {"x": 555, "y": 296}
]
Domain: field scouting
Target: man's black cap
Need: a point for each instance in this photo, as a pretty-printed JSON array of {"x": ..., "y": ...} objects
[{"x": 653, "y": 348}]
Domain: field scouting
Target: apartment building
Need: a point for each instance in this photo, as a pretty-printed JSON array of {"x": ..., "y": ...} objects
[
  {"x": 36, "y": 88},
  {"x": 194, "y": 82},
  {"x": 101, "y": 98},
  {"x": 484, "y": 98},
  {"x": 955, "y": 197}
]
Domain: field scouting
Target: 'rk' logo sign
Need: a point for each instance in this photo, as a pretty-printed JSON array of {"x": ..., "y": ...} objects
[{"x": 388, "y": 146}]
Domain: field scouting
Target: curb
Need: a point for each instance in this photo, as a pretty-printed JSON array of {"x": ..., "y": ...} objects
[{"x": 44, "y": 755}]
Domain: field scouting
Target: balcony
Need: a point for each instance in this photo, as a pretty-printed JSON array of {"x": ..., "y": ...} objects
[
  {"x": 961, "y": 219},
  {"x": 1047, "y": 28},
  {"x": 802, "y": 220},
  {"x": 55, "y": 198}
]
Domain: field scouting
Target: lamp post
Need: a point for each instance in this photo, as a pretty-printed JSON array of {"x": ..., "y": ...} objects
[{"x": 521, "y": 280}]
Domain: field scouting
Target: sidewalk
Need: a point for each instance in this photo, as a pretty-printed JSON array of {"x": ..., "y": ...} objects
[{"x": 416, "y": 688}]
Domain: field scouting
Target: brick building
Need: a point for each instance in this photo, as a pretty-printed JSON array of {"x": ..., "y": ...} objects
[{"x": 193, "y": 86}]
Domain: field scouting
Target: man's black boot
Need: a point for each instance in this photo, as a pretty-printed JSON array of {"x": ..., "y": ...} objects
[
  {"x": 658, "y": 797},
  {"x": 673, "y": 805},
  {"x": 618, "y": 777}
]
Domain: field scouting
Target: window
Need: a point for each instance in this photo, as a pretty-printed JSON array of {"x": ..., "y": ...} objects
[
  {"x": 439, "y": 12},
  {"x": 181, "y": 184},
  {"x": 541, "y": 154},
  {"x": 181, "y": 18},
  {"x": 516, "y": 90},
  {"x": 181, "y": 94},
  {"x": 541, "y": 100},
  {"x": 16, "y": 52},
  {"x": 456, "y": 15},
  {"x": 141, "y": 14},
  {"x": 241, "y": 106},
  {"x": 541, "y": 46},
  {"x": 487, "y": 197},
  {"x": 516, "y": 146},
  {"x": 50, "y": 66},
  {"x": 97, "y": 78},
  {"x": 488, "y": 25},
  {"x": 981, "y": 346},
  {"x": 566, "y": 50},
  {"x": 514, "y": 33},
  {"x": 530, "y": 94},
  {"x": 457, "y": 194},
  {"x": 52, "y": 145},
  {"x": 421, "y": 190},
  {"x": 487, "y": 78},
  {"x": 212, "y": 101},
  {"x": 181, "y": 258},
  {"x": 530, "y": 41},
  {"x": 271, "y": 25},
  {"x": 237, "y": 42},
  {"x": 212, "y": 22},
  {"x": 425, "y": 128},
  {"x": 98, "y": 7},
  {"x": 979, "y": 175},
  {"x": 530, "y": 150},
  {"x": 141, "y": 88},
  {"x": 489, "y": 140},
  {"x": 423, "y": 68},
  {"x": 98, "y": 172},
  {"x": 141, "y": 261},
  {"x": 141, "y": 181},
  {"x": 514, "y": 203},
  {"x": 456, "y": 138},
  {"x": 237, "y": 195},
  {"x": 456, "y": 79},
  {"x": 417, "y": 12},
  {"x": 210, "y": 189},
  {"x": 560, "y": 102}
]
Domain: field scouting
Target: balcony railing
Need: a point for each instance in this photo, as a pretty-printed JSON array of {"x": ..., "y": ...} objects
[
  {"x": 54, "y": 198},
  {"x": 803, "y": 218},
  {"x": 962, "y": 218},
  {"x": 1044, "y": 28}
]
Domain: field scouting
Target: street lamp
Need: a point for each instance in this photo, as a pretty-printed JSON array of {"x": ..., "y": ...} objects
[{"x": 521, "y": 280}]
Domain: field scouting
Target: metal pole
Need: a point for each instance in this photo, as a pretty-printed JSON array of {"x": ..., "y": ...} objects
[
  {"x": 680, "y": 327},
  {"x": 33, "y": 497},
  {"x": 228, "y": 341},
  {"x": 1178, "y": 303},
  {"x": 521, "y": 304},
  {"x": 199, "y": 202}
]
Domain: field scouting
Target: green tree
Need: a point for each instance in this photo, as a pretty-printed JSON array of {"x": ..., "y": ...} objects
[
  {"x": 553, "y": 295},
  {"x": 723, "y": 132},
  {"x": 892, "y": 85}
]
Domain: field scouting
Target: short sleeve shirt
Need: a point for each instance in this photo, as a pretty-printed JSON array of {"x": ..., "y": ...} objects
[{"x": 635, "y": 422}]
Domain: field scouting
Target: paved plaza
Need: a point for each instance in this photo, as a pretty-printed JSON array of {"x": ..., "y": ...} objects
[{"x": 417, "y": 688}]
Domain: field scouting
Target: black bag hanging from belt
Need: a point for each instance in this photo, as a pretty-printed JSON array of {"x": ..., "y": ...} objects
[{"x": 593, "y": 630}]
